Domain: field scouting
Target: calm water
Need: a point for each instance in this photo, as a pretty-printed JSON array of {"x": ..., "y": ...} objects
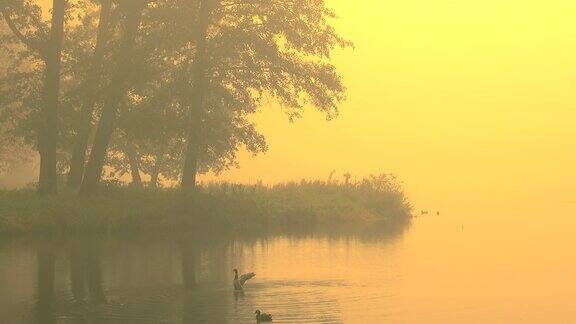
[{"x": 453, "y": 268}]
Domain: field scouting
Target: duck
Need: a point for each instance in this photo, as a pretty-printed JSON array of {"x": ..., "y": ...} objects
[
  {"x": 239, "y": 281},
  {"x": 262, "y": 317}
]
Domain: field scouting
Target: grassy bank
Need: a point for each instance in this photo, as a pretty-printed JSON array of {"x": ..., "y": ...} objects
[{"x": 242, "y": 208}]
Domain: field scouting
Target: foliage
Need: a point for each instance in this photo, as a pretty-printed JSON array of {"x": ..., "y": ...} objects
[
  {"x": 227, "y": 206},
  {"x": 258, "y": 51}
]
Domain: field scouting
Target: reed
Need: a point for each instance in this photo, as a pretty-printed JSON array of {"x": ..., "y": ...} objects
[{"x": 219, "y": 205}]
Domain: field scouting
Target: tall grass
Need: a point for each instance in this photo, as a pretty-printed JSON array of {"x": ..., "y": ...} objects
[{"x": 220, "y": 206}]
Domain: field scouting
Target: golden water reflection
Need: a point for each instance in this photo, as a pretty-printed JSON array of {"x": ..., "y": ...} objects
[{"x": 443, "y": 269}]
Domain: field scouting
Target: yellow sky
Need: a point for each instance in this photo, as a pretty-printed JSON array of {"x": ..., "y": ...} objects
[
  {"x": 463, "y": 100},
  {"x": 459, "y": 98}
]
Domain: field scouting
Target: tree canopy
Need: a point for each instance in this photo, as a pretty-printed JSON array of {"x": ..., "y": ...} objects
[{"x": 144, "y": 84}]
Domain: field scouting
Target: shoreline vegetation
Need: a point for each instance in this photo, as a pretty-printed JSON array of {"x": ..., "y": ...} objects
[{"x": 375, "y": 201}]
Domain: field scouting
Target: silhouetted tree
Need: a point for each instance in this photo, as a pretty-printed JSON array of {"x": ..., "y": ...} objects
[
  {"x": 245, "y": 51},
  {"x": 89, "y": 93},
  {"x": 173, "y": 83},
  {"x": 25, "y": 21},
  {"x": 115, "y": 93}
]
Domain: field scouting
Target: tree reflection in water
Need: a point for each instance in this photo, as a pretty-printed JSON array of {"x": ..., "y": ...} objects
[{"x": 183, "y": 278}]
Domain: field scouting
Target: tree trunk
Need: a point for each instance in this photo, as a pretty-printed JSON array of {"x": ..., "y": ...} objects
[
  {"x": 193, "y": 143},
  {"x": 48, "y": 131},
  {"x": 195, "y": 104},
  {"x": 157, "y": 166},
  {"x": 134, "y": 162},
  {"x": 104, "y": 132},
  {"x": 91, "y": 84},
  {"x": 155, "y": 175},
  {"x": 116, "y": 91}
]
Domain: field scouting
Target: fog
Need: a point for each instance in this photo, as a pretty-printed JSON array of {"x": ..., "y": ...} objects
[{"x": 451, "y": 123}]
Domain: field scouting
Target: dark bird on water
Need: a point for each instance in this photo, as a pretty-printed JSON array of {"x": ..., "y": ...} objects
[
  {"x": 262, "y": 317},
  {"x": 239, "y": 281}
]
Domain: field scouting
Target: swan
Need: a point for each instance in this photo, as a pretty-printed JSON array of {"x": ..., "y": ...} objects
[
  {"x": 262, "y": 317},
  {"x": 239, "y": 282}
]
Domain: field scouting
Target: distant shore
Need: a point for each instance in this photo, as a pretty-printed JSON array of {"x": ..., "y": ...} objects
[{"x": 219, "y": 206}]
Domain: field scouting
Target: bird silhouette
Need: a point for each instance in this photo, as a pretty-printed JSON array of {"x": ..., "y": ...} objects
[
  {"x": 239, "y": 281},
  {"x": 262, "y": 317}
]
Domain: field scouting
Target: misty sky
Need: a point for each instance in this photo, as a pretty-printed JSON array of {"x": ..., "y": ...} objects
[{"x": 461, "y": 99}]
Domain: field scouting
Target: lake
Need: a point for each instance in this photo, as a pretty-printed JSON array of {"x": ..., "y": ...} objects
[{"x": 457, "y": 267}]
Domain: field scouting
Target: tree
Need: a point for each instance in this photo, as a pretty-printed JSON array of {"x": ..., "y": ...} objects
[
  {"x": 173, "y": 83},
  {"x": 115, "y": 92},
  {"x": 245, "y": 51},
  {"x": 195, "y": 101},
  {"x": 10, "y": 145},
  {"x": 91, "y": 82},
  {"x": 24, "y": 20},
  {"x": 225, "y": 62}
]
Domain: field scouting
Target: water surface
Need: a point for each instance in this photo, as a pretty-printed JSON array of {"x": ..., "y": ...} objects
[{"x": 443, "y": 269}]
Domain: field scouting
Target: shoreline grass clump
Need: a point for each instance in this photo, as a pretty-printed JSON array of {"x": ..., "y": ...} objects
[{"x": 376, "y": 200}]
